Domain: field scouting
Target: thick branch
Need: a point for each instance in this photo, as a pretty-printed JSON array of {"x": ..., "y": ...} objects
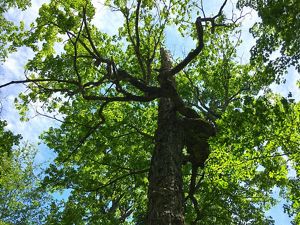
[
  {"x": 194, "y": 53},
  {"x": 220, "y": 10},
  {"x": 127, "y": 98},
  {"x": 151, "y": 93},
  {"x": 124, "y": 76}
]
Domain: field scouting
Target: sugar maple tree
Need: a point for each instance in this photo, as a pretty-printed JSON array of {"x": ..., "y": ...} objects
[{"x": 148, "y": 139}]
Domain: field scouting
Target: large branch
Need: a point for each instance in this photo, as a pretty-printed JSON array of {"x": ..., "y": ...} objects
[
  {"x": 195, "y": 52},
  {"x": 117, "y": 75},
  {"x": 149, "y": 90},
  {"x": 192, "y": 54},
  {"x": 120, "y": 74},
  {"x": 127, "y": 98}
]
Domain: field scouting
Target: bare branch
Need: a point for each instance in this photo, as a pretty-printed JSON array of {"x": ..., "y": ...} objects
[
  {"x": 220, "y": 10},
  {"x": 48, "y": 116},
  {"x": 39, "y": 80},
  {"x": 192, "y": 54}
]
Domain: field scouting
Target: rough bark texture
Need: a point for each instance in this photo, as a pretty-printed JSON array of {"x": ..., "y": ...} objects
[
  {"x": 165, "y": 192},
  {"x": 165, "y": 189}
]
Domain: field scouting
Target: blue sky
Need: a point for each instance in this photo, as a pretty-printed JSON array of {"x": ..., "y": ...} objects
[{"x": 12, "y": 69}]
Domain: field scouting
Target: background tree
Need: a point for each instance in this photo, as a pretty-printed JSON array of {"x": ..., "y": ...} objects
[
  {"x": 277, "y": 32},
  {"x": 21, "y": 200},
  {"x": 212, "y": 135}
]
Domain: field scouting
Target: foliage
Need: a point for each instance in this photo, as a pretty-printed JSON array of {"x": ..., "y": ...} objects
[
  {"x": 9, "y": 30},
  {"x": 107, "y": 89},
  {"x": 21, "y": 200},
  {"x": 8, "y": 139},
  {"x": 276, "y": 32}
]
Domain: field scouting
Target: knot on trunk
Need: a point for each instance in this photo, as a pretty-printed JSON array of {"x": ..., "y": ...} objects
[{"x": 196, "y": 135}]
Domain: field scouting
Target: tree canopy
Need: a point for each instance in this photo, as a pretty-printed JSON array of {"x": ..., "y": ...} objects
[
  {"x": 22, "y": 201},
  {"x": 150, "y": 138},
  {"x": 277, "y": 31}
]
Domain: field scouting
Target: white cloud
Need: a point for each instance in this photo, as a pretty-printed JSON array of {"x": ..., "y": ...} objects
[
  {"x": 105, "y": 19},
  {"x": 13, "y": 69},
  {"x": 28, "y": 16}
]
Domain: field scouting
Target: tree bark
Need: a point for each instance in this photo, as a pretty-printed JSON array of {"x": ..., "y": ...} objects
[{"x": 165, "y": 193}]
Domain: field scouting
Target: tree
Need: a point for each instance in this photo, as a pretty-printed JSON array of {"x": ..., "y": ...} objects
[
  {"x": 150, "y": 139},
  {"x": 21, "y": 200},
  {"x": 276, "y": 32}
]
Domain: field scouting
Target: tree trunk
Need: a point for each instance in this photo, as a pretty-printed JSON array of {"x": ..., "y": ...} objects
[{"x": 165, "y": 194}]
